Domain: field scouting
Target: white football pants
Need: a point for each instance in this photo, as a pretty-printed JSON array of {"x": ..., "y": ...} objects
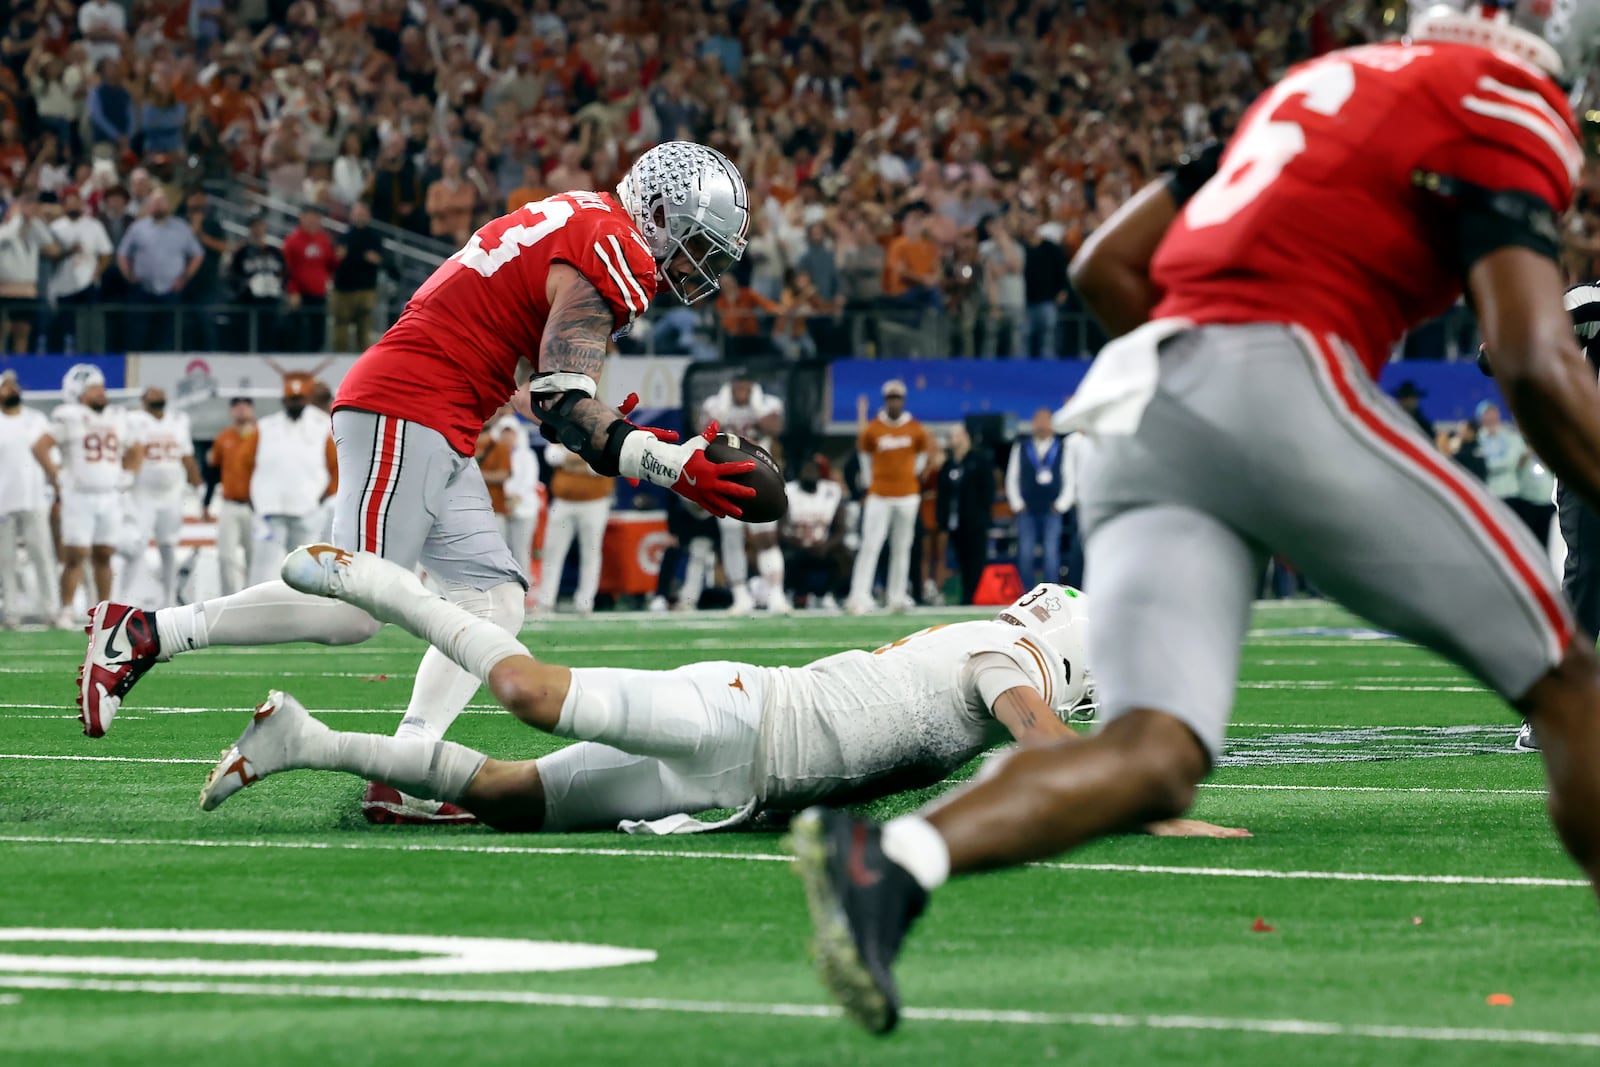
[
  {"x": 585, "y": 521},
  {"x": 894, "y": 518}
]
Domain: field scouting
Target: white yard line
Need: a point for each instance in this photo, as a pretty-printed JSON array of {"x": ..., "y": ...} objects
[
  {"x": 102, "y": 759},
  {"x": 975, "y": 1016},
  {"x": 770, "y": 857},
  {"x": 1370, "y": 789}
]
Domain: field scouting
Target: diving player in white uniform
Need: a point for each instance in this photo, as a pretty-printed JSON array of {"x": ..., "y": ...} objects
[
  {"x": 158, "y": 488},
  {"x": 98, "y": 452},
  {"x": 744, "y": 409},
  {"x": 662, "y": 745}
]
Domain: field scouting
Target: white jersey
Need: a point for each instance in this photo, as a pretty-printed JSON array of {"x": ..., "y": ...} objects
[
  {"x": 22, "y": 484},
  {"x": 741, "y": 419},
  {"x": 860, "y": 725},
  {"x": 165, "y": 441},
  {"x": 92, "y": 445},
  {"x": 810, "y": 517}
]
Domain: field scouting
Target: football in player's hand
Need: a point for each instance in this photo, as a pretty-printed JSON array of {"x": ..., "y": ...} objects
[{"x": 770, "y": 502}]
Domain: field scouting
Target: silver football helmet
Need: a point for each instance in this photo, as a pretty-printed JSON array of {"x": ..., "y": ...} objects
[
  {"x": 692, "y": 208},
  {"x": 79, "y": 379},
  {"x": 1562, "y": 37},
  {"x": 1058, "y": 615}
]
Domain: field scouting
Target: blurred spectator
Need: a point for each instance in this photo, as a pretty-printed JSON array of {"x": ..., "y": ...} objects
[
  {"x": 258, "y": 276},
  {"x": 450, "y": 201},
  {"x": 104, "y": 26},
  {"x": 911, "y": 270},
  {"x": 355, "y": 282},
  {"x": 569, "y": 172},
  {"x": 532, "y": 188},
  {"x": 233, "y": 456},
  {"x": 158, "y": 255},
  {"x": 1044, "y": 272},
  {"x": 14, "y": 159},
  {"x": 352, "y": 171},
  {"x": 25, "y": 241},
  {"x": 820, "y": 270},
  {"x": 963, "y": 288},
  {"x": 1005, "y": 296},
  {"x": 397, "y": 191},
  {"x": 893, "y": 450},
  {"x": 58, "y": 95},
  {"x": 1039, "y": 490},
  {"x": 308, "y": 258},
  {"x": 1462, "y": 446},
  {"x": 579, "y": 506},
  {"x": 1503, "y": 451},
  {"x": 1409, "y": 397},
  {"x": 204, "y": 291},
  {"x": 115, "y": 290},
  {"x": 162, "y": 121},
  {"x": 86, "y": 251},
  {"x": 113, "y": 118},
  {"x": 966, "y": 507},
  {"x": 740, "y": 308}
]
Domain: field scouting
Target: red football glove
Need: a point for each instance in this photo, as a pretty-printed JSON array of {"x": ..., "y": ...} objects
[
  {"x": 706, "y": 483},
  {"x": 685, "y": 470}
]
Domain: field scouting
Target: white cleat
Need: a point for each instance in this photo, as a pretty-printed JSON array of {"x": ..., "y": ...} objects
[
  {"x": 743, "y": 602},
  {"x": 778, "y": 603},
  {"x": 276, "y": 734},
  {"x": 363, "y": 579},
  {"x": 320, "y": 570}
]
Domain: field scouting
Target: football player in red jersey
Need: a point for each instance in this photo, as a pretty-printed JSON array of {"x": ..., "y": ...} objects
[
  {"x": 1238, "y": 418},
  {"x": 540, "y": 291}
]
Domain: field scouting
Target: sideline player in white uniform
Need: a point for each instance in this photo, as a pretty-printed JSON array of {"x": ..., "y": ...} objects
[
  {"x": 813, "y": 535},
  {"x": 25, "y": 470},
  {"x": 99, "y": 457},
  {"x": 851, "y": 727},
  {"x": 744, "y": 409},
  {"x": 158, "y": 488}
]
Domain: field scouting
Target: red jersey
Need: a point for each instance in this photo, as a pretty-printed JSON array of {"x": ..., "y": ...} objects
[
  {"x": 451, "y": 359},
  {"x": 1313, "y": 217}
]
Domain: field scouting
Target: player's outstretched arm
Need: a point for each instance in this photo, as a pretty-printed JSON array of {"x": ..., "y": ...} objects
[
  {"x": 1535, "y": 358},
  {"x": 572, "y": 354}
]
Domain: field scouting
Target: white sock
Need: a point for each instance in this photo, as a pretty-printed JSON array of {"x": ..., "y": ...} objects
[
  {"x": 443, "y": 688},
  {"x": 438, "y": 696},
  {"x": 769, "y": 562},
  {"x": 434, "y": 770},
  {"x": 473, "y": 643},
  {"x": 915, "y": 845},
  {"x": 735, "y": 565},
  {"x": 169, "y": 573},
  {"x": 267, "y": 614}
]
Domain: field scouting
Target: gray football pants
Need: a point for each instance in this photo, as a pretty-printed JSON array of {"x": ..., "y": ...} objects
[{"x": 1264, "y": 439}]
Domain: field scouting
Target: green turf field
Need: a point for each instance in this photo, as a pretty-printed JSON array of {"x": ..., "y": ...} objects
[{"x": 1401, "y": 857}]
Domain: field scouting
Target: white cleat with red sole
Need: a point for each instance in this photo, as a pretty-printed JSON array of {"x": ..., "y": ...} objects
[
  {"x": 122, "y": 646},
  {"x": 276, "y": 735}
]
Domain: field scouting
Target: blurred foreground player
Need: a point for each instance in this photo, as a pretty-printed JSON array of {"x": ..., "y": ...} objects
[
  {"x": 1329, "y": 228},
  {"x": 659, "y": 746},
  {"x": 545, "y": 288},
  {"x": 1579, "y": 522}
]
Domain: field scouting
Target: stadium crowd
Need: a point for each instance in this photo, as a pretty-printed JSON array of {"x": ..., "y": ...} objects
[{"x": 921, "y": 172}]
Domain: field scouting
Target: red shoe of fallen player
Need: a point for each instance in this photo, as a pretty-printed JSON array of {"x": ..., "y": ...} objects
[
  {"x": 385, "y": 805},
  {"x": 122, "y": 646}
]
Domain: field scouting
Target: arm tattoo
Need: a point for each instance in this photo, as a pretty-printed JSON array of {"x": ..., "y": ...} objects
[{"x": 576, "y": 336}]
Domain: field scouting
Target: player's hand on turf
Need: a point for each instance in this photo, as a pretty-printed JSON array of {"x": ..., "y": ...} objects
[
  {"x": 686, "y": 470},
  {"x": 1193, "y": 828}
]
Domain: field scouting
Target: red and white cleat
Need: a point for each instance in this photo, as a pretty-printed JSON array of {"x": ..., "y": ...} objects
[
  {"x": 122, "y": 646},
  {"x": 386, "y": 806}
]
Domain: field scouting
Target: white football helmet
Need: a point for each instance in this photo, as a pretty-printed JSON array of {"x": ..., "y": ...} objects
[
  {"x": 79, "y": 379},
  {"x": 688, "y": 200},
  {"x": 1561, "y": 37},
  {"x": 1058, "y": 615}
]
